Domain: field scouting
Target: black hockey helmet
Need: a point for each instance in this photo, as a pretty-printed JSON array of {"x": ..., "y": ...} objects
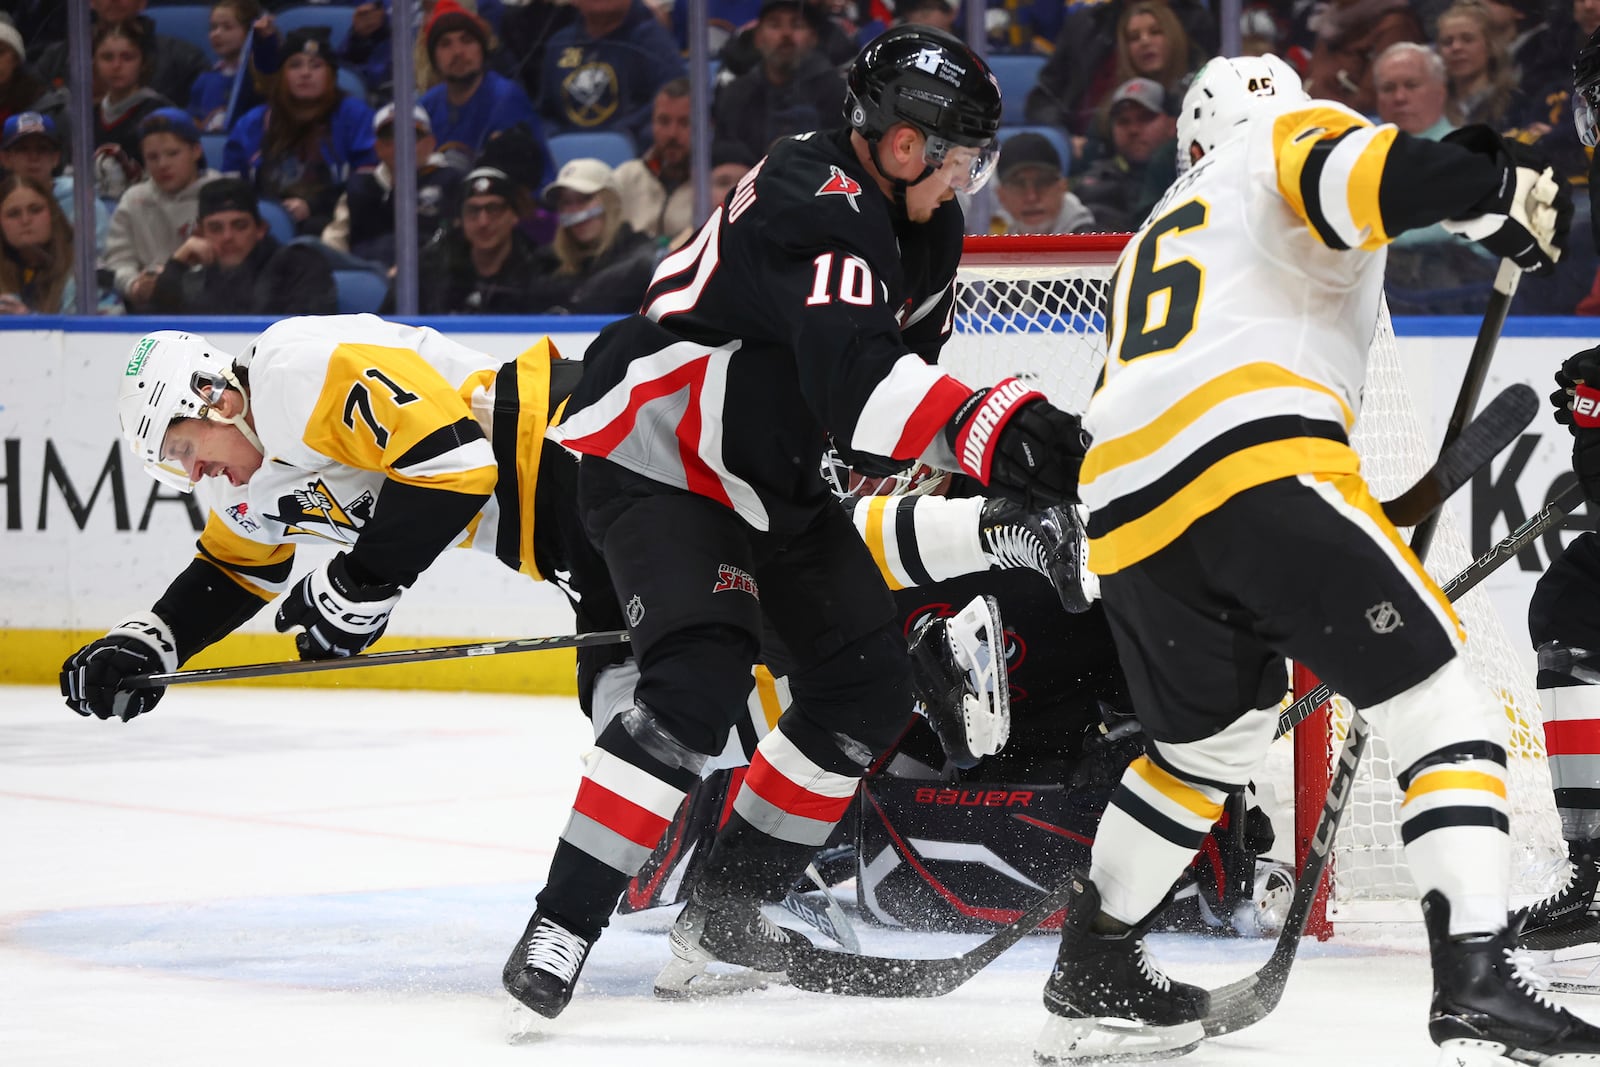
[
  {"x": 1586, "y": 90},
  {"x": 928, "y": 78}
]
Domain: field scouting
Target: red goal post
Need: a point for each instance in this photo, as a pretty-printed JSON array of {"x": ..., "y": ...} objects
[{"x": 1031, "y": 305}]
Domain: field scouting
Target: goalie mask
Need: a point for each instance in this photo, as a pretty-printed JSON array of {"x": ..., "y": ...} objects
[
  {"x": 1586, "y": 90},
  {"x": 1224, "y": 95},
  {"x": 172, "y": 375}
]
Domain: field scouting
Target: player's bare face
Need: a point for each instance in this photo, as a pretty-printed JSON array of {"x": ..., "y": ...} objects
[
  {"x": 205, "y": 449},
  {"x": 459, "y": 57},
  {"x": 1147, "y": 44}
]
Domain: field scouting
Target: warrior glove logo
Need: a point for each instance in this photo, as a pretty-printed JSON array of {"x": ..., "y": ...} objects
[{"x": 841, "y": 184}]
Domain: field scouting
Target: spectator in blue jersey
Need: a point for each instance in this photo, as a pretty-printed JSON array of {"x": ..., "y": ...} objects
[
  {"x": 302, "y": 145},
  {"x": 472, "y": 102},
  {"x": 792, "y": 90},
  {"x": 212, "y": 91},
  {"x": 602, "y": 71}
]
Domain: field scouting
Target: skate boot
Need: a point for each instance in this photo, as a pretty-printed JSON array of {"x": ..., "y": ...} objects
[
  {"x": 1108, "y": 1001},
  {"x": 724, "y": 930},
  {"x": 1571, "y": 916},
  {"x": 544, "y": 966},
  {"x": 959, "y": 674},
  {"x": 1484, "y": 1010},
  {"x": 1051, "y": 542}
]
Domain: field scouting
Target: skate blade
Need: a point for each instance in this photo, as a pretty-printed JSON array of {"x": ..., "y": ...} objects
[
  {"x": 1464, "y": 1052},
  {"x": 1070, "y": 1041},
  {"x": 523, "y": 1025},
  {"x": 692, "y": 980}
]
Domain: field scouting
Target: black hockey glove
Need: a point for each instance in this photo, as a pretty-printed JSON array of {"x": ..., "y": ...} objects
[
  {"x": 1578, "y": 408},
  {"x": 336, "y": 614},
  {"x": 1526, "y": 217},
  {"x": 1017, "y": 443},
  {"x": 92, "y": 677}
]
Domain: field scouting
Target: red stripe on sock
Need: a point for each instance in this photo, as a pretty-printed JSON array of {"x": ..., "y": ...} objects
[
  {"x": 777, "y": 789},
  {"x": 1580, "y": 737},
  {"x": 619, "y": 814}
]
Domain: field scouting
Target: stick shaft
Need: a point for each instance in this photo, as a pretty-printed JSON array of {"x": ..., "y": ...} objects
[{"x": 376, "y": 659}]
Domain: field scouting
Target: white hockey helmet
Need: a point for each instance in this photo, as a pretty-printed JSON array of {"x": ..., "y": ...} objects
[
  {"x": 1223, "y": 96},
  {"x": 173, "y": 375}
]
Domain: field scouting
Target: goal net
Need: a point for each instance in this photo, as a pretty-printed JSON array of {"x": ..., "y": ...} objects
[{"x": 1030, "y": 306}]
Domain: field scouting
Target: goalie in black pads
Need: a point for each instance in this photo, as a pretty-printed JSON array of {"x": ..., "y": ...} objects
[
  {"x": 813, "y": 301},
  {"x": 1220, "y": 466}
]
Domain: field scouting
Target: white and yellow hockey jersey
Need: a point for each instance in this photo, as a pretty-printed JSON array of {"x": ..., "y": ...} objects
[
  {"x": 346, "y": 404},
  {"x": 1240, "y": 317}
]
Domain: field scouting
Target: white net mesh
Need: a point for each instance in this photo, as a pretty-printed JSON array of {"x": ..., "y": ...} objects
[{"x": 1037, "y": 314}]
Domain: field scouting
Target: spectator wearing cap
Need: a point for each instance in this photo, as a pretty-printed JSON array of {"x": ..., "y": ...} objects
[
  {"x": 301, "y": 147},
  {"x": 1122, "y": 186},
  {"x": 31, "y": 146},
  {"x": 940, "y": 14},
  {"x": 157, "y": 215},
  {"x": 838, "y": 37},
  {"x": 792, "y": 90},
  {"x": 363, "y": 223},
  {"x": 20, "y": 88},
  {"x": 592, "y": 241},
  {"x": 603, "y": 70},
  {"x": 1031, "y": 194},
  {"x": 122, "y": 58},
  {"x": 472, "y": 102},
  {"x": 487, "y": 266},
  {"x": 233, "y": 266},
  {"x": 173, "y": 63}
]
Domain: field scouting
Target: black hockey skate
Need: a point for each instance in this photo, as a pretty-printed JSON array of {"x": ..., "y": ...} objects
[
  {"x": 544, "y": 966},
  {"x": 1571, "y": 916},
  {"x": 1051, "y": 542},
  {"x": 1484, "y": 1011},
  {"x": 726, "y": 930},
  {"x": 1108, "y": 1001}
]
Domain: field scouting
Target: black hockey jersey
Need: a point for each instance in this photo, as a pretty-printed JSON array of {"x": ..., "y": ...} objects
[{"x": 800, "y": 309}]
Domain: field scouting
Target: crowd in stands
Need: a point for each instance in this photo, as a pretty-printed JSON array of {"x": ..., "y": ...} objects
[{"x": 244, "y": 150}]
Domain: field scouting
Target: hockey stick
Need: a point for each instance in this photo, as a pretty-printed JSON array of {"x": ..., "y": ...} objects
[
  {"x": 1469, "y": 450},
  {"x": 1248, "y": 1000},
  {"x": 823, "y": 914},
  {"x": 375, "y": 659},
  {"x": 1494, "y": 319},
  {"x": 1564, "y": 504}
]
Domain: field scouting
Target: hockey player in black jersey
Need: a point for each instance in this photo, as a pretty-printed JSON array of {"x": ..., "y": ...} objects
[{"x": 810, "y": 303}]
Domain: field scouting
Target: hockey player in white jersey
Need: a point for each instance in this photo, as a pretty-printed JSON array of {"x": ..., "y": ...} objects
[
  {"x": 390, "y": 441},
  {"x": 1231, "y": 528}
]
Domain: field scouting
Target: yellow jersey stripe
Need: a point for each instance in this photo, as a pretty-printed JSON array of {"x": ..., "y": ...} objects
[
  {"x": 1156, "y": 434},
  {"x": 1444, "y": 778},
  {"x": 767, "y": 693},
  {"x": 1249, "y": 467},
  {"x": 1294, "y": 135},
  {"x": 1176, "y": 790}
]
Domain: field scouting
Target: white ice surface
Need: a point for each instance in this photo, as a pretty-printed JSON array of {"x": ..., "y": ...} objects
[{"x": 274, "y": 877}]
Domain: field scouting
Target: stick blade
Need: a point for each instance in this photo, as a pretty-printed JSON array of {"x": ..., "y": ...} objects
[
  {"x": 1498, "y": 425},
  {"x": 845, "y": 975}
]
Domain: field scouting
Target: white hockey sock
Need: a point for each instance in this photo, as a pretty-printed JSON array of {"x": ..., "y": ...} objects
[
  {"x": 918, "y": 540},
  {"x": 1455, "y": 826},
  {"x": 1148, "y": 835}
]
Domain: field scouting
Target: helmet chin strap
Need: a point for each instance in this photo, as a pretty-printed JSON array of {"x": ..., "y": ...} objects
[{"x": 238, "y": 421}]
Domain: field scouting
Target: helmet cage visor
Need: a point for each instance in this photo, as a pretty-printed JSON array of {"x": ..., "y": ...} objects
[
  {"x": 1586, "y": 114},
  {"x": 969, "y": 167}
]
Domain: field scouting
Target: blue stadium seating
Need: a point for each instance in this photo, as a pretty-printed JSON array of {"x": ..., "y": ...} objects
[
  {"x": 605, "y": 145},
  {"x": 279, "y": 224},
  {"x": 214, "y": 143},
  {"x": 187, "y": 22},
  {"x": 1016, "y": 75},
  {"x": 359, "y": 290}
]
